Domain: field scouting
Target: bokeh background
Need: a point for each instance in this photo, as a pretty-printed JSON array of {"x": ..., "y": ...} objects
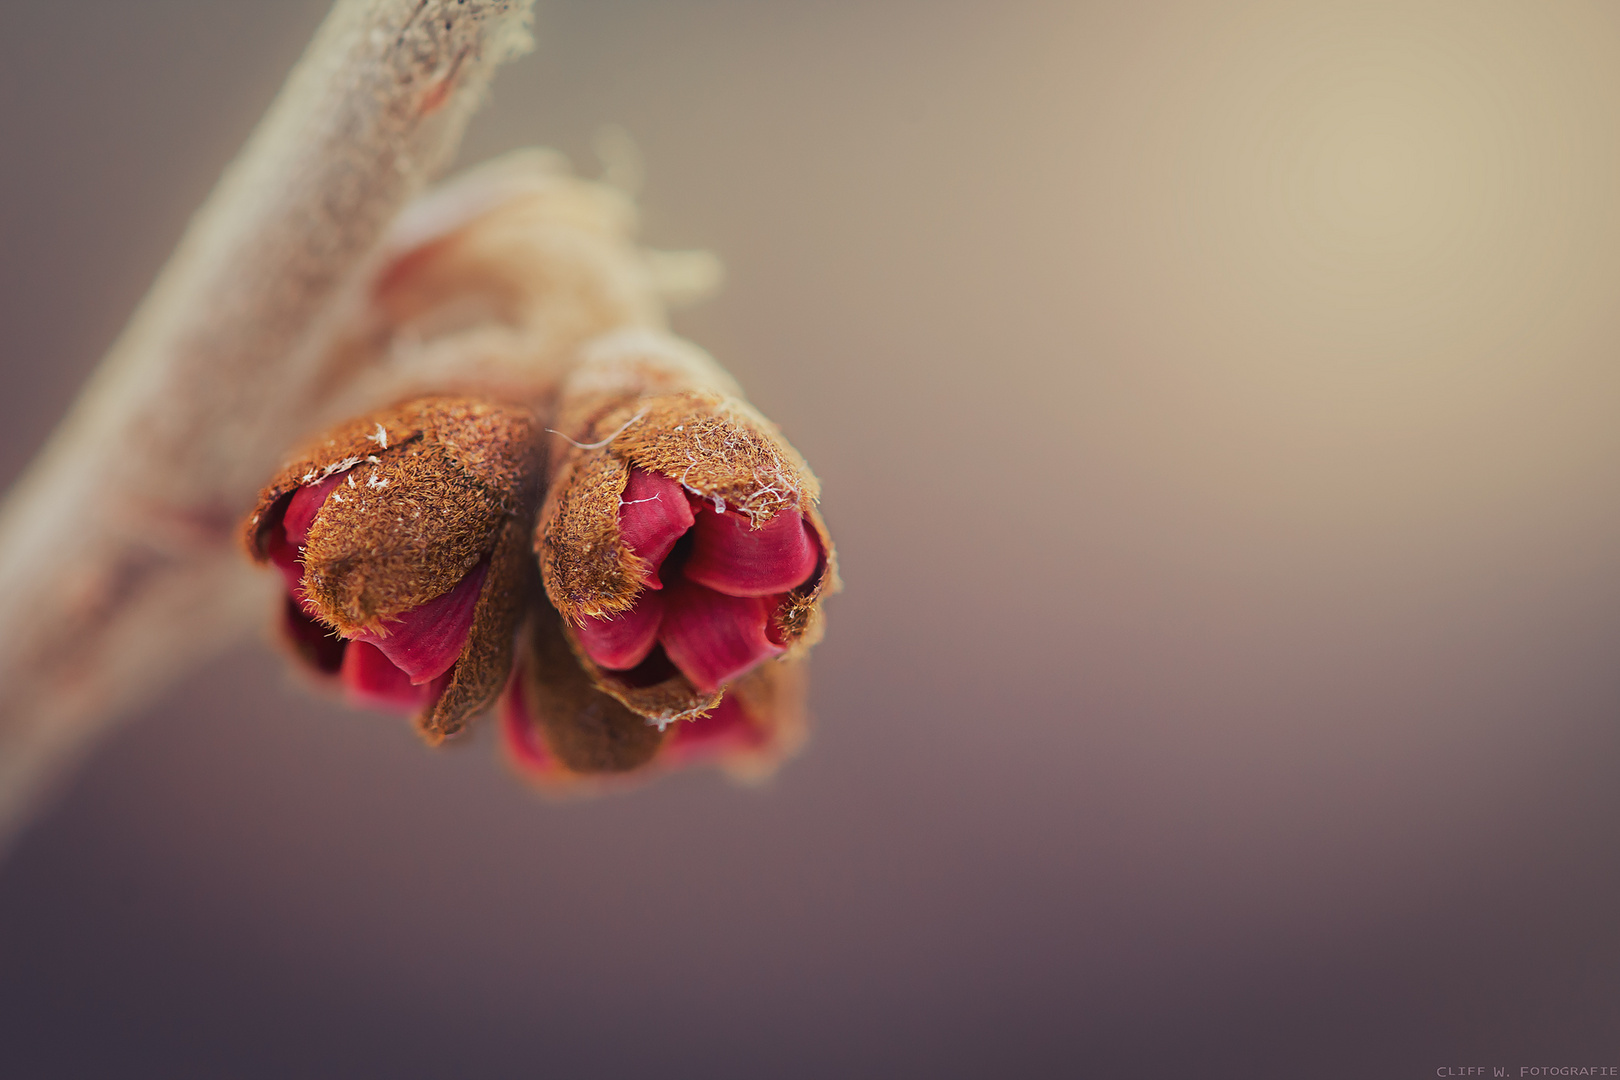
[{"x": 1216, "y": 406}]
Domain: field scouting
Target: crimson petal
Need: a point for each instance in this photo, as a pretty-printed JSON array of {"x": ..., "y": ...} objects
[
  {"x": 284, "y": 557},
  {"x": 521, "y": 731},
  {"x": 712, "y": 637},
  {"x": 730, "y": 557},
  {"x": 653, "y": 514},
  {"x": 426, "y": 641},
  {"x": 372, "y": 679},
  {"x": 714, "y": 734},
  {"x": 285, "y": 545},
  {"x": 622, "y": 642},
  {"x": 305, "y": 503},
  {"x": 315, "y": 643}
]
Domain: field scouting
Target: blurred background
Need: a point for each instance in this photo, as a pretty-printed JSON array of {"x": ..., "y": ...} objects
[{"x": 1216, "y": 411}]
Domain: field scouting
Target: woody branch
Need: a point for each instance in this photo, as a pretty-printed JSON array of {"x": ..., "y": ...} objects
[{"x": 118, "y": 569}]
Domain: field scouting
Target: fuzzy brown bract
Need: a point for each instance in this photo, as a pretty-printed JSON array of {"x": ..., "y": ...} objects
[
  {"x": 486, "y": 660},
  {"x": 429, "y": 485}
]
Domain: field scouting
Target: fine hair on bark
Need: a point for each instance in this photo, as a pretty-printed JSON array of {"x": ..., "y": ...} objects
[{"x": 118, "y": 567}]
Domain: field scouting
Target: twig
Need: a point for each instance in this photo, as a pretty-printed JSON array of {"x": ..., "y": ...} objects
[{"x": 118, "y": 568}]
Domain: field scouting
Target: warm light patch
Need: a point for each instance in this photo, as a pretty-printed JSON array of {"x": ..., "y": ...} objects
[{"x": 1385, "y": 166}]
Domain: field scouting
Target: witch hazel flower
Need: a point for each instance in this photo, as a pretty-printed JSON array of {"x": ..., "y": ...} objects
[
  {"x": 402, "y": 540},
  {"x": 682, "y": 554},
  {"x": 680, "y": 538},
  {"x": 566, "y": 736}
]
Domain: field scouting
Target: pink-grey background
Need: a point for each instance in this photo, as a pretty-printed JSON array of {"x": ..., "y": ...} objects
[{"x": 1216, "y": 408}]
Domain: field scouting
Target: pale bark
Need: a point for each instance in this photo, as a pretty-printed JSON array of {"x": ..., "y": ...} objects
[{"x": 118, "y": 562}]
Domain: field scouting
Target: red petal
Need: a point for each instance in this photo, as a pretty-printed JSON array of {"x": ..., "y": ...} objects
[
  {"x": 425, "y": 641},
  {"x": 772, "y": 631},
  {"x": 305, "y": 503},
  {"x": 713, "y": 734},
  {"x": 285, "y": 542},
  {"x": 284, "y": 557},
  {"x": 731, "y": 557},
  {"x": 520, "y": 731},
  {"x": 653, "y": 514},
  {"x": 317, "y": 644},
  {"x": 712, "y": 637},
  {"x": 373, "y": 680},
  {"x": 622, "y": 642}
]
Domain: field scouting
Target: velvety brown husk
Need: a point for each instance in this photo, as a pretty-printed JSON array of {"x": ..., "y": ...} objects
[
  {"x": 665, "y": 701},
  {"x": 429, "y": 485},
  {"x": 486, "y": 660}
]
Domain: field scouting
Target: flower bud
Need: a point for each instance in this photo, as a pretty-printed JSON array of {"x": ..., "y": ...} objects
[
  {"x": 680, "y": 538},
  {"x": 402, "y": 538},
  {"x": 564, "y": 734}
]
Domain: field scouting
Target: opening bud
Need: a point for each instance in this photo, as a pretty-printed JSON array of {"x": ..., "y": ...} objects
[
  {"x": 680, "y": 538},
  {"x": 402, "y": 538}
]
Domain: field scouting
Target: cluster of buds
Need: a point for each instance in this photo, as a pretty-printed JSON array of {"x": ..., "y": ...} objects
[
  {"x": 572, "y": 513},
  {"x": 632, "y": 565}
]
